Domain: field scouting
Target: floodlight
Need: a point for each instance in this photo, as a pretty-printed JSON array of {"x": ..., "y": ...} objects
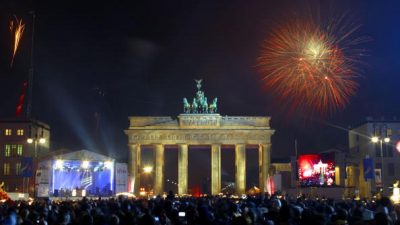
[
  {"x": 85, "y": 164},
  {"x": 59, "y": 164},
  {"x": 108, "y": 164}
]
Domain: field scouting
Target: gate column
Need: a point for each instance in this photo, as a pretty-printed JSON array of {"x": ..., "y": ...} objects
[
  {"x": 182, "y": 168},
  {"x": 134, "y": 168},
  {"x": 159, "y": 169},
  {"x": 240, "y": 167},
  {"x": 264, "y": 165},
  {"x": 215, "y": 169}
]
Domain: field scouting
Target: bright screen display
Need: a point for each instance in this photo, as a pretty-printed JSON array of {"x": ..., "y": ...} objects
[
  {"x": 316, "y": 170},
  {"x": 96, "y": 178}
]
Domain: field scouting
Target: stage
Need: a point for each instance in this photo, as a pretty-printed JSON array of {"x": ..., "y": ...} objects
[{"x": 80, "y": 174}]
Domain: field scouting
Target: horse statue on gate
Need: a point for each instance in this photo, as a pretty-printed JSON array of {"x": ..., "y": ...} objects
[
  {"x": 199, "y": 105},
  {"x": 213, "y": 106},
  {"x": 194, "y": 106},
  {"x": 186, "y": 106},
  {"x": 204, "y": 105}
]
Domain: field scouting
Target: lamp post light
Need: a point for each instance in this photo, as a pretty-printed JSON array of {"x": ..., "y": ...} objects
[
  {"x": 35, "y": 142},
  {"x": 376, "y": 139},
  {"x": 148, "y": 170}
]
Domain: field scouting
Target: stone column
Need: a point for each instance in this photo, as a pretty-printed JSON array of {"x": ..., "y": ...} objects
[
  {"x": 159, "y": 169},
  {"x": 240, "y": 165},
  {"x": 182, "y": 169},
  {"x": 215, "y": 169},
  {"x": 134, "y": 168},
  {"x": 264, "y": 151}
]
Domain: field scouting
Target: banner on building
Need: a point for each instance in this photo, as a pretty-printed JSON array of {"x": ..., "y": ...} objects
[
  {"x": 368, "y": 165},
  {"x": 42, "y": 180},
  {"x": 121, "y": 177},
  {"x": 26, "y": 167},
  {"x": 378, "y": 177}
]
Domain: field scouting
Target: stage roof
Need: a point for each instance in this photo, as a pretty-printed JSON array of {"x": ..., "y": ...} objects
[{"x": 83, "y": 155}]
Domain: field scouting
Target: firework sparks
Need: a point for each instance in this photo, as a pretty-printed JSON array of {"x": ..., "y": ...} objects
[
  {"x": 17, "y": 28},
  {"x": 310, "y": 66}
]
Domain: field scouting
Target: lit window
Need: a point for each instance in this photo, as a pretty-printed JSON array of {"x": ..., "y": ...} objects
[
  {"x": 6, "y": 169},
  {"x": 7, "y": 150},
  {"x": 8, "y": 132},
  {"x": 19, "y": 150},
  {"x": 20, "y": 132},
  {"x": 18, "y": 168}
]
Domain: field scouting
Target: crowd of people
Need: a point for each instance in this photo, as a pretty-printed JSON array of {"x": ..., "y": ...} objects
[{"x": 250, "y": 210}]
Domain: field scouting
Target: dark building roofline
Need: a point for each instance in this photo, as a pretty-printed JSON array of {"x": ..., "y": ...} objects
[
  {"x": 370, "y": 119},
  {"x": 25, "y": 120}
]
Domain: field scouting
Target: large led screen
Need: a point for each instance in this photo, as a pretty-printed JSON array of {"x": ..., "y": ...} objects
[
  {"x": 96, "y": 177},
  {"x": 316, "y": 170}
]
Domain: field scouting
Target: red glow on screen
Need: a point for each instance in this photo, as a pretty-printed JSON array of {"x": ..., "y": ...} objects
[{"x": 315, "y": 170}]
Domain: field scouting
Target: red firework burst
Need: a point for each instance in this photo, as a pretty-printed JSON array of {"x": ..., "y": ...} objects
[{"x": 310, "y": 66}]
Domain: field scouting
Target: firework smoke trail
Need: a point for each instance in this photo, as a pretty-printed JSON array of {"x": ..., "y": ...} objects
[
  {"x": 17, "y": 28},
  {"x": 309, "y": 65}
]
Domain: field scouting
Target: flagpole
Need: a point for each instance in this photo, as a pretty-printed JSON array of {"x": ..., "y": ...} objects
[{"x": 31, "y": 70}]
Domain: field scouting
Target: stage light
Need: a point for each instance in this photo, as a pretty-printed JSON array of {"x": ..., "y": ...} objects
[
  {"x": 83, "y": 193},
  {"x": 108, "y": 164},
  {"x": 74, "y": 193},
  {"x": 85, "y": 164},
  {"x": 386, "y": 139},
  {"x": 375, "y": 139},
  {"x": 29, "y": 140},
  {"x": 59, "y": 164}
]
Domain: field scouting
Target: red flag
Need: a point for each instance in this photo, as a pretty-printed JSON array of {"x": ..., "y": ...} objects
[{"x": 21, "y": 99}]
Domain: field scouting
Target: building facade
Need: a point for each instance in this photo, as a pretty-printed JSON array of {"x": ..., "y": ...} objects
[
  {"x": 22, "y": 142},
  {"x": 377, "y": 140}
]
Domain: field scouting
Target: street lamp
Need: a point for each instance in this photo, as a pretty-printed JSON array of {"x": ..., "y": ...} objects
[
  {"x": 376, "y": 139},
  {"x": 35, "y": 141},
  {"x": 42, "y": 140},
  {"x": 147, "y": 170}
]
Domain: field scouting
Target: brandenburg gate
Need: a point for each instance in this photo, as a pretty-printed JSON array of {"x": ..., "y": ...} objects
[{"x": 200, "y": 124}]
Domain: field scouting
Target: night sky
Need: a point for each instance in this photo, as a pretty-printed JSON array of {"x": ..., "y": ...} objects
[{"x": 98, "y": 63}]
